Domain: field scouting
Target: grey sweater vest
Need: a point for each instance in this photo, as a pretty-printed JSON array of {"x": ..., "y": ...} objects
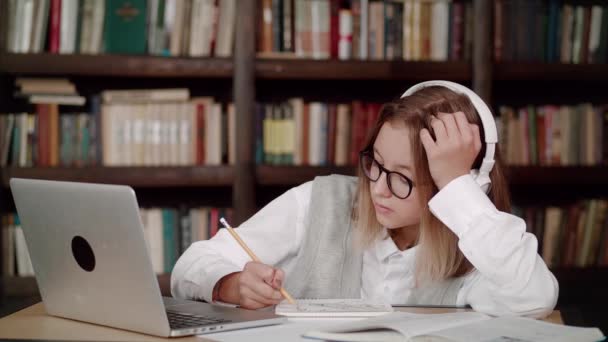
[{"x": 328, "y": 265}]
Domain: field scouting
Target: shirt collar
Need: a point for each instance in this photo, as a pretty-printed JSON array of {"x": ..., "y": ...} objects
[{"x": 385, "y": 247}]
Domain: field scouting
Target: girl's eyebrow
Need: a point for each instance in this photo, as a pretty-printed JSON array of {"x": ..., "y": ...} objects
[{"x": 399, "y": 166}]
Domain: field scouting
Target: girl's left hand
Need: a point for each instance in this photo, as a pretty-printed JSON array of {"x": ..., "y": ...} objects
[{"x": 455, "y": 148}]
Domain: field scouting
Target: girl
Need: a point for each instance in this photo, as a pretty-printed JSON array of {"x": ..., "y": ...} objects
[{"x": 416, "y": 227}]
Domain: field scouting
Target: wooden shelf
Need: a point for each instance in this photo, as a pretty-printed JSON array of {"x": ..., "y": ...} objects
[
  {"x": 27, "y": 286},
  {"x": 293, "y": 175},
  {"x": 115, "y": 65},
  {"x": 361, "y": 70},
  {"x": 562, "y": 175},
  {"x": 516, "y": 175},
  {"x": 184, "y": 176},
  {"x": 516, "y": 71}
]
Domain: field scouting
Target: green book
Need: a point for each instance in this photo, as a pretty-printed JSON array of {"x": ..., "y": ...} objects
[{"x": 125, "y": 26}]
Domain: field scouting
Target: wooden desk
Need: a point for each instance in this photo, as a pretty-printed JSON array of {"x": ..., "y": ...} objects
[{"x": 34, "y": 323}]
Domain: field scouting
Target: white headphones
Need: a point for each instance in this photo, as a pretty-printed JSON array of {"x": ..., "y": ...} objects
[{"x": 481, "y": 176}]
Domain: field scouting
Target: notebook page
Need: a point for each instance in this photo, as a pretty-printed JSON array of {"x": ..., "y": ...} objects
[
  {"x": 333, "y": 308},
  {"x": 408, "y": 324},
  {"x": 519, "y": 329}
]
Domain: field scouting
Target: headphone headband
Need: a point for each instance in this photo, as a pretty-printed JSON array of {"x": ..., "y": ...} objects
[{"x": 487, "y": 120}]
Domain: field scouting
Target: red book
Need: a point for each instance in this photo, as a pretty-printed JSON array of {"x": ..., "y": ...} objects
[
  {"x": 55, "y": 26},
  {"x": 457, "y": 31},
  {"x": 305, "y": 133},
  {"x": 357, "y": 129},
  {"x": 331, "y": 134},
  {"x": 44, "y": 138},
  {"x": 214, "y": 222},
  {"x": 334, "y": 27},
  {"x": 200, "y": 134}
]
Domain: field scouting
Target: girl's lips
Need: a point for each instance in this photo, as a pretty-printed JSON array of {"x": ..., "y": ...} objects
[{"x": 382, "y": 209}]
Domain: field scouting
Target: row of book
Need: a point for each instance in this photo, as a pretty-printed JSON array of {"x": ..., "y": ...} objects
[
  {"x": 554, "y": 135},
  {"x": 296, "y": 132},
  {"x": 195, "y": 28},
  {"x": 574, "y": 235},
  {"x": 168, "y": 232},
  {"x": 413, "y": 30},
  {"x": 124, "y": 128},
  {"x": 550, "y": 31}
]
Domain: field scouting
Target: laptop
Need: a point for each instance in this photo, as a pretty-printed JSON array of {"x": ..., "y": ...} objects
[{"x": 92, "y": 263}]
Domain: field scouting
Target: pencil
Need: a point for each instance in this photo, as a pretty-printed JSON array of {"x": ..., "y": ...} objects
[{"x": 252, "y": 256}]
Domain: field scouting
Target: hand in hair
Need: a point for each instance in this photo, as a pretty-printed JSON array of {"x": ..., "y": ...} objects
[{"x": 457, "y": 143}]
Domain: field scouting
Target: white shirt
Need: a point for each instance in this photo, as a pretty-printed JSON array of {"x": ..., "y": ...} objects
[{"x": 510, "y": 278}]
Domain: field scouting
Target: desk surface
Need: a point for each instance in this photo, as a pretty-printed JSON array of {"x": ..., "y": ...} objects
[{"x": 34, "y": 323}]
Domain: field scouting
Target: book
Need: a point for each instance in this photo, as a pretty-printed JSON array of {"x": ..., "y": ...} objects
[
  {"x": 456, "y": 326},
  {"x": 333, "y": 308}
]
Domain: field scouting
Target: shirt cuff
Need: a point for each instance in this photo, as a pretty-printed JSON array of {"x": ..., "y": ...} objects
[
  {"x": 459, "y": 203},
  {"x": 207, "y": 279}
]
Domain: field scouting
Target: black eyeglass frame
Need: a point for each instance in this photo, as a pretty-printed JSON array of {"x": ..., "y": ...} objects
[{"x": 368, "y": 154}]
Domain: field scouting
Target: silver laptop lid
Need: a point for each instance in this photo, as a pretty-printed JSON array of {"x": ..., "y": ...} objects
[{"x": 87, "y": 246}]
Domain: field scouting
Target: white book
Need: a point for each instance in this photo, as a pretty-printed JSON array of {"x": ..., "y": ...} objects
[
  {"x": 95, "y": 46},
  {"x": 152, "y": 23},
  {"x": 416, "y": 48},
  {"x": 320, "y": 29},
  {"x": 173, "y": 116},
  {"x": 186, "y": 121},
  {"x": 439, "y": 30},
  {"x": 11, "y": 27},
  {"x": 157, "y": 135},
  {"x": 24, "y": 262},
  {"x": 594, "y": 35},
  {"x": 213, "y": 135},
  {"x": 195, "y": 217},
  {"x": 67, "y": 100},
  {"x": 146, "y": 95},
  {"x": 456, "y": 327},
  {"x": 68, "y": 26},
  {"x": 27, "y": 23},
  {"x": 126, "y": 118},
  {"x": 86, "y": 26},
  {"x": 139, "y": 134},
  {"x": 345, "y": 43},
  {"x": 155, "y": 234},
  {"x": 195, "y": 48},
  {"x": 225, "y": 35},
  {"x": 342, "y": 135},
  {"x": 364, "y": 30},
  {"x": 577, "y": 37},
  {"x": 314, "y": 142},
  {"x": 231, "y": 134},
  {"x": 297, "y": 105},
  {"x": 407, "y": 29},
  {"x": 333, "y": 308},
  {"x": 41, "y": 17},
  {"x": 23, "y": 128}
]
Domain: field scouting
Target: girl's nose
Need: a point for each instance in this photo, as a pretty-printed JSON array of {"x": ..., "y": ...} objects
[{"x": 380, "y": 187}]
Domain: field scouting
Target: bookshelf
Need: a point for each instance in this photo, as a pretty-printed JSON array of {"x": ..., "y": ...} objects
[
  {"x": 52, "y": 64},
  {"x": 251, "y": 78}
]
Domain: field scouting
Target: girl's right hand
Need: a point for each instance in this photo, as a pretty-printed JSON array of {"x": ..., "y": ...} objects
[{"x": 259, "y": 285}]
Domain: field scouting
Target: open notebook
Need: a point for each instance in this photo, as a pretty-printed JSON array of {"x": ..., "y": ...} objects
[
  {"x": 333, "y": 308},
  {"x": 458, "y": 326}
]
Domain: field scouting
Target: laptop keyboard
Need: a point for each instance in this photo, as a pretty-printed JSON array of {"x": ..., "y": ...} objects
[{"x": 180, "y": 320}]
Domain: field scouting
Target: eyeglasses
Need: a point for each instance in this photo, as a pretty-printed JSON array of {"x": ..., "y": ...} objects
[{"x": 399, "y": 185}]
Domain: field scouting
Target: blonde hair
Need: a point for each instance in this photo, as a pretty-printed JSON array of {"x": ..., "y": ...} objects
[{"x": 438, "y": 256}]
